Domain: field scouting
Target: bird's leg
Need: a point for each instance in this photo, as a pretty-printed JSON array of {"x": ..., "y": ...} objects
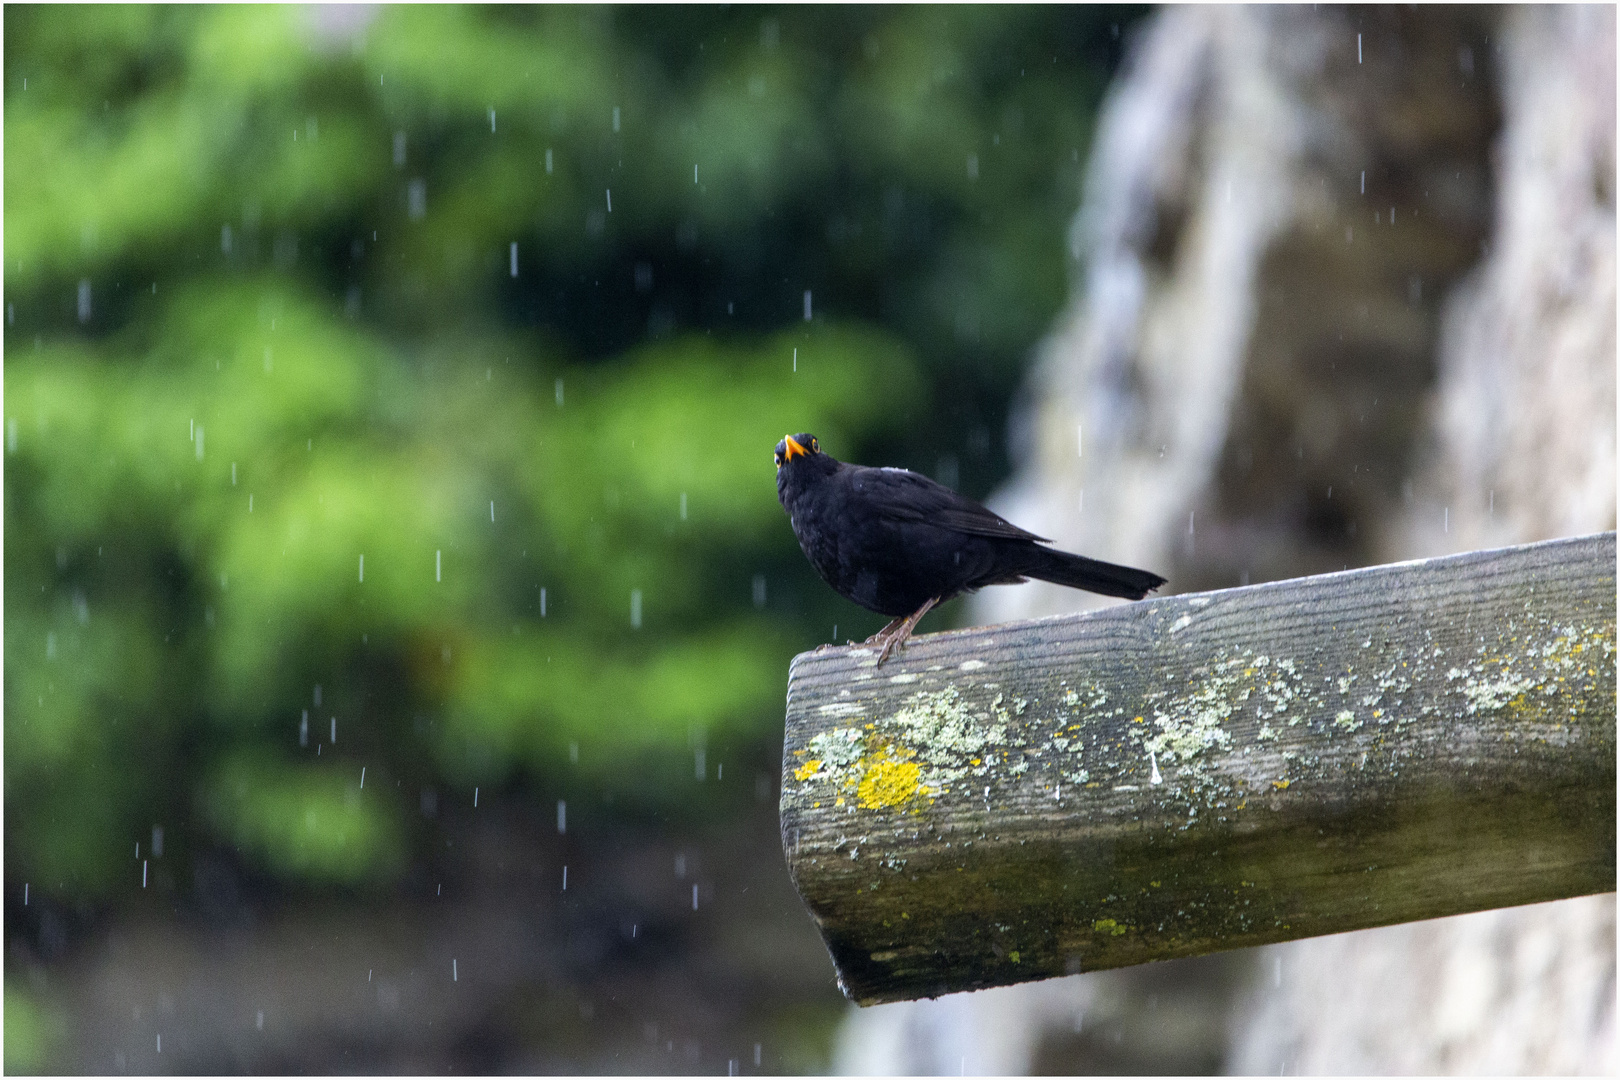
[
  {"x": 899, "y": 635},
  {"x": 883, "y": 634}
]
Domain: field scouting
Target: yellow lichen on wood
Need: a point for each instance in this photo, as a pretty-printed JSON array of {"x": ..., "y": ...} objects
[{"x": 887, "y": 782}]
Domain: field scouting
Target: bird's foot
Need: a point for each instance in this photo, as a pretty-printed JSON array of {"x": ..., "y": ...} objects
[
  {"x": 883, "y": 635},
  {"x": 895, "y": 634}
]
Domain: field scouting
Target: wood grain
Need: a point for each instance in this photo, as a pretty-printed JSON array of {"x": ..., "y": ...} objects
[{"x": 1208, "y": 771}]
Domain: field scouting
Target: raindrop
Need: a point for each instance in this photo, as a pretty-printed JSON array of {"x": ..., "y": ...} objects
[
  {"x": 25, "y": 894},
  {"x": 759, "y": 590},
  {"x": 334, "y": 729},
  {"x": 475, "y": 798},
  {"x": 615, "y": 118},
  {"x": 11, "y": 435},
  {"x": 438, "y": 567},
  {"x": 416, "y": 199},
  {"x": 84, "y": 300},
  {"x": 756, "y": 1053},
  {"x": 683, "y": 502},
  {"x": 233, "y": 474},
  {"x": 362, "y": 778},
  {"x": 399, "y": 149},
  {"x": 562, "y": 817},
  {"x": 157, "y": 841},
  {"x": 1447, "y": 520},
  {"x": 492, "y": 511},
  {"x": 250, "y": 502},
  {"x": 454, "y": 977},
  {"x": 565, "y": 878},
  {"x": 699, "y": 763},
  {"x": 807, "y": 305},
  {"x": 635, "y": 609},
  {"x": 259, "y": 1022},
  {"x": 160, "y": 1043},
  {"x": 694, "y": 896},
  {"x": 1358, "y": 48},
  {"x": 50, "y": 646},
  {"x": 548, "y": 161},
  {"x": 199, "y": 442},
  {"x": 542, "y": 601},
  {"x": 559, "y": 392},
  {"x": 1080, "y": 440},
  {"x": 609, "y": 200},
  {"x": 1190, "y": 515},
  {"x": 1364, "y": 181},
  {"x": 514, "y": 258},
  {"x": 303, "y": 730},
  {"x": 143, "y": 873},
  {"x": 492, "y": 121},
  {"x": 362, "y": 568}
]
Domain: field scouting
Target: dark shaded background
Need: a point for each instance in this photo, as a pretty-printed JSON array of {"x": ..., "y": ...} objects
[{"x": 389, "y": 400}]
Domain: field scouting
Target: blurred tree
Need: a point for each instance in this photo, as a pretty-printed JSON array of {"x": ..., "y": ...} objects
[{"x": 394, "y": 388}]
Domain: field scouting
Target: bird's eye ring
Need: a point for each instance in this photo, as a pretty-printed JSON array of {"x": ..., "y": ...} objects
[{"x": 815, "y": 447}]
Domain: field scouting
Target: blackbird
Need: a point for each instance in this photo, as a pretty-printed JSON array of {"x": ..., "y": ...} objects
[{"x": 897, "y": 543}]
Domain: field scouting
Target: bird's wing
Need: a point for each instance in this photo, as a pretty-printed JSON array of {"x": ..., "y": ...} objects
[{"x": 907, "y": 496}]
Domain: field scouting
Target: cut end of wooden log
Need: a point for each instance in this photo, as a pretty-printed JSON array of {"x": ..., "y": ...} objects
[{"x": 1205, "y": 772}]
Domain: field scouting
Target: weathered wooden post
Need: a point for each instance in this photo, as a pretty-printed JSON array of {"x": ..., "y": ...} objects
[{"x": 1204, "y": 772}]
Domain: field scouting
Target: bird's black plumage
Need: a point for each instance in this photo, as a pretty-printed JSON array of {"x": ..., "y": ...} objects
[{"x": 898, "y": 543}]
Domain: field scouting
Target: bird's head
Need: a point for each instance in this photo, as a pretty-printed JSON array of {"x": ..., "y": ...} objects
[{"x": 802, "y": 445}]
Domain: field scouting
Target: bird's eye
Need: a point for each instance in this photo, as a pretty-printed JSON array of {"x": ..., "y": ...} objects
[{"x": 815, "y": 447}]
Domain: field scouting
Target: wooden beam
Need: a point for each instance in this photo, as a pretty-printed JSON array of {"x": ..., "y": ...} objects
[{"x": 1209, "y": 771}]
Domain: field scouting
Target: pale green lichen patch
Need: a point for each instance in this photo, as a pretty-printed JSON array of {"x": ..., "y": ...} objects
[
  {"x": 932, "y": 742},
  {"x": 952, "y": 740},
  {"x": 1531, "y": 662}
]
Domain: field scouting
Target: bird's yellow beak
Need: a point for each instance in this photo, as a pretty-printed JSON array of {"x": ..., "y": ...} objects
[{"x": 793, "y": 448}]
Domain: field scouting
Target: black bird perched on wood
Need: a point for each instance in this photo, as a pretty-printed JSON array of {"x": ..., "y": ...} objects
[{"x": 897, "y": 543}]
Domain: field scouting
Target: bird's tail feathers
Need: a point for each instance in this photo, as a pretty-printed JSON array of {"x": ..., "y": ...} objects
[{"x": 1092, "y": 575}]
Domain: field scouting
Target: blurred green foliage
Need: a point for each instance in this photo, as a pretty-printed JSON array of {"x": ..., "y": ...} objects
[{"x": 336, "y": 337}]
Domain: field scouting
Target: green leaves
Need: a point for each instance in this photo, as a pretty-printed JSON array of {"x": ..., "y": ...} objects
[
  {"x": 266, "y": 325},
  {"x": 311, "y": 822}
]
